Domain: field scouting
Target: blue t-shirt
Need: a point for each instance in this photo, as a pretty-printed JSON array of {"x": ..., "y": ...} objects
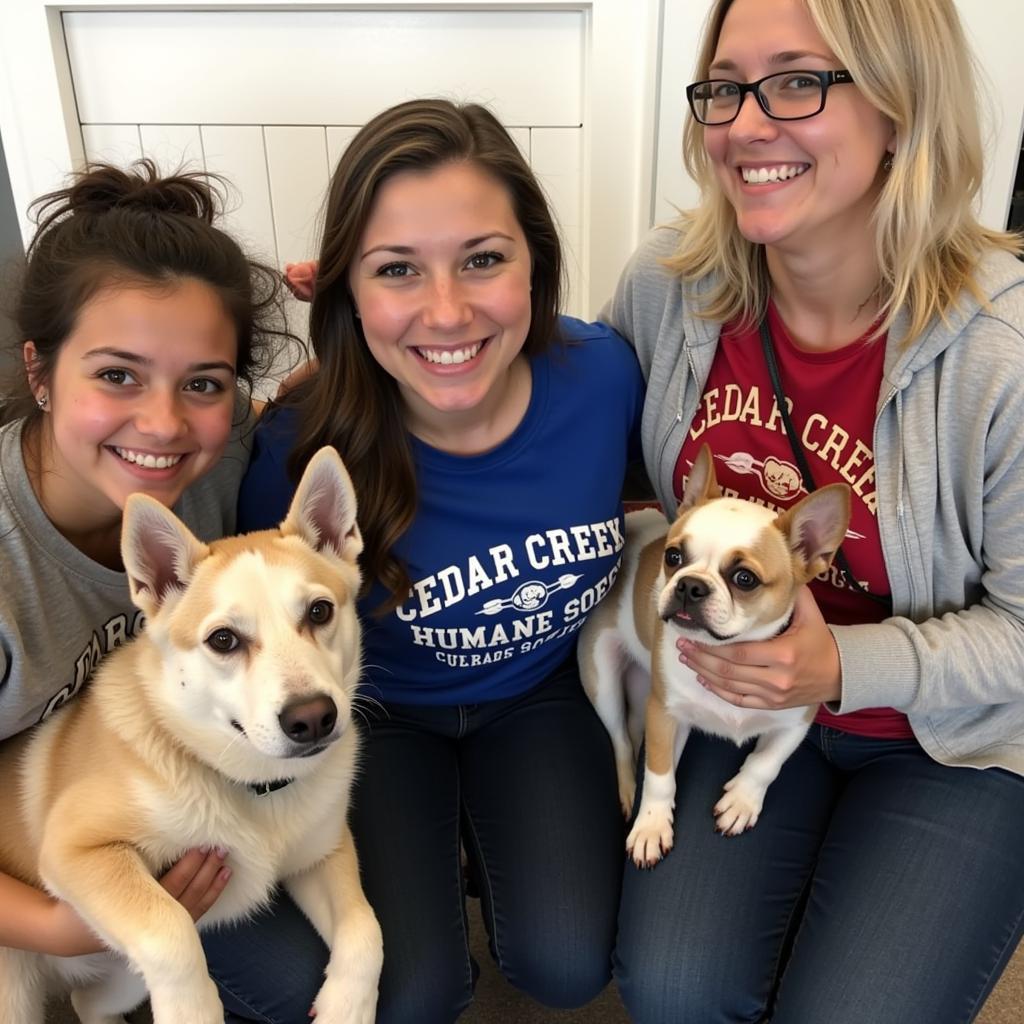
[{"x": 509, "y": 550}]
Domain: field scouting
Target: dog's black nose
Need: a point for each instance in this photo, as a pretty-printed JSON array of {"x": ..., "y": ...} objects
[
  {"x": 309, "y": 720},
  {"x": 691, "y": 589}
]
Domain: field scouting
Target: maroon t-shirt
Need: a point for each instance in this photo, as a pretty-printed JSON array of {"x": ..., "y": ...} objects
[{"x": 833, "y": 397}]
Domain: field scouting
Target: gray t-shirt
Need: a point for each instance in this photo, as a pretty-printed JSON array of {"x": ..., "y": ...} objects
[{"x": 61, "y": 612}]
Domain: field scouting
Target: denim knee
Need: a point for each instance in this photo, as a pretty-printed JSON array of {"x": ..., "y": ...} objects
[
  {"x": 288, "y": 999},
  {"x": 412, "y": 1006},
  {"x": 434, "y": 990},
  {"x": 664, "y": 989},
  {"x": 268, "y": 969},
  {"x": 563, "y": 980}
]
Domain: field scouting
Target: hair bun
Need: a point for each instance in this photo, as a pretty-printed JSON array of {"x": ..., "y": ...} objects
[{"x": 102, "y": 187}]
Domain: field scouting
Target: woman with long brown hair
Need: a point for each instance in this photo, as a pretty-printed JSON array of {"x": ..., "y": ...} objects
[{"x": 487, "y": 439}]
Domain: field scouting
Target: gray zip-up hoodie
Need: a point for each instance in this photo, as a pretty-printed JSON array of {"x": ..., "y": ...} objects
[{"x": 949, "y": 460}]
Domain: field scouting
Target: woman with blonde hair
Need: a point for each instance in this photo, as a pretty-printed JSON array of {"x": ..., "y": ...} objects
[{"x": 834, "y": 312}]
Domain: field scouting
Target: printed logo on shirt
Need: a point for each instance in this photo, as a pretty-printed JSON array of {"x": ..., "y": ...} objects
[
  {"x": 117, "y": 630},
  {"x": 530, "y": 596},
  {"x": 821, "y": 437},
  {"x": 525, "y": 614},
  {"x": 780, "y": 479}
]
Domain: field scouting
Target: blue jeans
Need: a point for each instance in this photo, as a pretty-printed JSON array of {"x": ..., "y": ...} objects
[
  {"x": 878, "y": 886},
  {"x": 268, "y": 968},
  {"x": 527, "y": 786}
]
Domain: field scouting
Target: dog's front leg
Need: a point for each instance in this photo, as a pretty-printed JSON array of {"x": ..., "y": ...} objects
[
  {"x": 651, "y": 836},
  {"x": 331, "y": 896},
  {"x": 22, "y": 987},
  {"x": 111, "y": 888},
  {"x": 743, "y": 798}
]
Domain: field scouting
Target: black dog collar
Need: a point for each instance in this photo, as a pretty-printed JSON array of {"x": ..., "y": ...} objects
[
  {"x": 263, "y": 788},
  {"x": 789, "y": 622}
]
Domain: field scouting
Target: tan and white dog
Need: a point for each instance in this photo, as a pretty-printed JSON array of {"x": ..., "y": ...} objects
[
  {"x": 228, "y": 722},
  {"x": 726, "y": 570}
]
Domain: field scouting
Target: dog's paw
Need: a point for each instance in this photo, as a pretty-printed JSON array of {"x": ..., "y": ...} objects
[
  {"x": 345, "y": 1002},
  {"x": 650, "y": 839},
  {"x": 740, "y": 806}
]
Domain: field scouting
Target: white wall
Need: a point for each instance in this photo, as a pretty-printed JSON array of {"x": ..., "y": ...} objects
[
  {"x": 635, "y": 59},
  {"x": 996, "y": 31},
  {"x": 275, "y": 120},
  {"x": 601, "y": 84}
]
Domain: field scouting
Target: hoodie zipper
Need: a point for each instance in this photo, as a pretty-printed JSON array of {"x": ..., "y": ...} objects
[
  {"x": 902, "y": 527},
  {"x": 679, "y": 415}
]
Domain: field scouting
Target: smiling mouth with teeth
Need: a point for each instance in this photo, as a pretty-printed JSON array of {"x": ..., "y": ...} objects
[
  {"x": 147, "y": 460},
  {"x": 765, "y": 175},
  {"x": 450, "y": 356}
]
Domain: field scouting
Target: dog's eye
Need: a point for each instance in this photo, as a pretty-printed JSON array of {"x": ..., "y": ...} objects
[
  {"x": 320, "y": 612},
  {"x": 673, "y": 558},
  {"x": 745, "y": 579},
  {"x": 223, "y": 641}
]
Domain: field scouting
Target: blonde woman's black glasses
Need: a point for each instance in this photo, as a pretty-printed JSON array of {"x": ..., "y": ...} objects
[{"x": 785, "y": 96}]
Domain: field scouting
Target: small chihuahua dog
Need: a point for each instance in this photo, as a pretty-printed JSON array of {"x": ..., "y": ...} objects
[{"x": 726, "y": 570}]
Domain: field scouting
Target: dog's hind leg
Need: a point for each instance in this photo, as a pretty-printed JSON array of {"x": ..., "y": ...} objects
[
  {"x": 106, "y": 1001},
  {"x": 604, "y": 664},
  {"x": 637, "y": 681},
  {"x": 651, "y": 836},
  {"x": 22, "y": 987}
]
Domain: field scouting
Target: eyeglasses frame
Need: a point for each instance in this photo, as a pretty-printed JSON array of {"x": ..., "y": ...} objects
[{"x": 826, "y": 78}]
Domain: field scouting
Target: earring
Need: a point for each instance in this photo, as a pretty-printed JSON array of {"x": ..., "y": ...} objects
[
  {"x": 42, "y": 400},
  {"x": 887, "y": 162}
]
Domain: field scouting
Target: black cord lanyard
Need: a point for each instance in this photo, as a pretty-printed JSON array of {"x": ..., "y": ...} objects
[{"x": 801, "y": 458}]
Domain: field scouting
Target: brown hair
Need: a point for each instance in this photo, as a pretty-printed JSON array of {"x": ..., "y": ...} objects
[
  {"x": 912, "y": 62},
  {"x": 352, "y": 403},
  {"x": 112, "y": 227}
]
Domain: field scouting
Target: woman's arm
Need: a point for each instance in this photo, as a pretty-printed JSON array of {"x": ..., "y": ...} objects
[
  {"x": 641, "y": 292},
  {"x": 33, "y": 920}
]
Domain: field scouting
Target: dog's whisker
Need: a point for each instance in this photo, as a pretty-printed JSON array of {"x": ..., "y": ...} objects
[
  {"x": 365, "y": 698},
  {"x": 367, "y": 706},
  {"x": 227, "y": 748}
]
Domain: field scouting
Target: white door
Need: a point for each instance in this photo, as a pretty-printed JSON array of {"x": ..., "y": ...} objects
[{"x": 270, "y": 97}]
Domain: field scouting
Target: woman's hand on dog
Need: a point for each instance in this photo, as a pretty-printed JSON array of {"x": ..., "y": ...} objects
[
  {"x": 797, "y": 668},
  {"x": 195, "y": 881}
]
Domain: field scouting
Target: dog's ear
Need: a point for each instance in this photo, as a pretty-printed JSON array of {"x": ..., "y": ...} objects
[
  {"x": 815, "y": 527},
  {"x": 323, "y": 511},
  {"x": 158, "y": 551},
  {"x": 701, "y": 484}
]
